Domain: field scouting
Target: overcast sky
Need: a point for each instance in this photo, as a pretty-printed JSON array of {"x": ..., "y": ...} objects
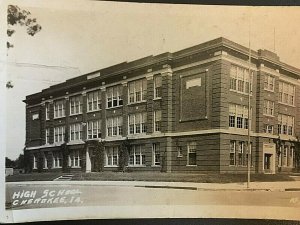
[{"x": 78, "y": 37}]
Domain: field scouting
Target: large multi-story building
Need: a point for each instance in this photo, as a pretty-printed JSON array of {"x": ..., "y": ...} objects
[{"x": 182, "y": 111}]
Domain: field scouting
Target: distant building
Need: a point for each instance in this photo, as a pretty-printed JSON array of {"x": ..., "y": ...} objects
[{"x": 185, "y": 111}]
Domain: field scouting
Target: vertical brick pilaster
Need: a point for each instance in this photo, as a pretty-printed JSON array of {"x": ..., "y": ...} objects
[
  {"x": 84, "y": 115},
  {"x": 103, "y": 112},
  {"x": 67, "y": 112},
  {"x": 125, "y": 109},
  {"x": 150, "y": 96},
  {"x": 167, "y": 100}
]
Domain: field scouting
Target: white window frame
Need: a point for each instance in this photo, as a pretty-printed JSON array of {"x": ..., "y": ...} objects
[
  {"x": 269, "y": 107},
  {"x": 191, "y": 149},
  {"x": 75, "y": 132},
  {"x": 232, "y": 151},
  {"x": 239, "y": 75},
  {"x": 74, "y": 159},
  {"x": 75, "y": 105},
  {"x": 137, "y": 86},
  {"x": 47, "y": 111},
  {"x": 110, "y": 162},
  {"x": 114, "y": 95},
  {"x": 59, "y": 134},
  {"x": 157, "y": 120},
  {"x": 286, "y": 93},
  {"x": 57, "y": 160},
  {"x": 94, "y": 99},
  {"x": 156, "y": 154},
  {"x": 115, "y": 124},
  {"x": 59, "y": 109},
  {"x": 35, "y": 161},
  {"x": 157, "y": 86},
  {"x": 94, "y": 128},
  {"x": 45, "y": 160},
  {"x": 238, "y": 111},
  {"x": 47, "y": 136},
  {"x": 137, "y": 120},
  {"x": 288, "y": 122},
  {"x": 269, "y": 83},
  {"x": 138, "y": 154}
]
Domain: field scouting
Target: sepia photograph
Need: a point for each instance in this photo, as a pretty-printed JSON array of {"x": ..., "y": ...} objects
[{"x": 117, "y": 110}]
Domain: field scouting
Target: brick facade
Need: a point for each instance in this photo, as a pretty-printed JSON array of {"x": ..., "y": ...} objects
[{"x": 183, "y": 112}]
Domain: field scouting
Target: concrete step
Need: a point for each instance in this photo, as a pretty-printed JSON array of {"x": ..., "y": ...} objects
[{"x": 64, "y": 177}]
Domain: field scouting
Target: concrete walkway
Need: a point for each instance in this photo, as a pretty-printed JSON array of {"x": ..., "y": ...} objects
[{"x": 254, "y": 186}]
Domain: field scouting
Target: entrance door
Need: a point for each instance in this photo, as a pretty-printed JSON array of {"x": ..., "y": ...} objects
[{"x": 267, "y": 163}]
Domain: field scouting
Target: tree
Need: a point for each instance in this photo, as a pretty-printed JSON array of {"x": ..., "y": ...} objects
[
  {"x": 20, "y": 162},
  {"x": 17, "y": 16},
  {"x": 9, "y": 163}
]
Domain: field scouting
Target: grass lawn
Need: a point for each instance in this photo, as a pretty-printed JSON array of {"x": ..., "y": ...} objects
[
  {"x": 154, "y": 176},
  {"x": 32, "y": 177},
  {"x": 181, "y": 177}
]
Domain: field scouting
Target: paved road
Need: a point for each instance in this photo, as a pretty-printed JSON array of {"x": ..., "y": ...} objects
[{"x": 47, "y": 196}]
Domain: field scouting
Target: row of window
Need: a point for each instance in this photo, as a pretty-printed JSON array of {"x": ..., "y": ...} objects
[
  {"x": 238, "y": 153},
  {"x": 287, "y": 156},
  {"x": 137, "y": 124},
  {"x": 137, "y": 92},
  {"x": 239, "y": 79},
  {"x": 238, "y": 116}
]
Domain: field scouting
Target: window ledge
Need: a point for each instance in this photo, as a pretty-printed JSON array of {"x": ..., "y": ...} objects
[
  {"x": 158, "y": 98},
  {"x": 239, "y": 92},
  {"x": 286, "y": 104},
  {"x": 111, "y": 166},
  {"x": 76, "y": 114},
  {"x": 56, "y": 167},
  {"x": 135, "y": 166},
  {"x": 59, "y": 117},
  {"x": 179, "y": 156},
  {"x": 269, "y": 115},
  {"x": 134, "y": 103},
  {"x": 75, "y": 167},
  {"x": 155, "y": 165},
  {"x": 269, "y": 90},
  {"x": 114, "y": 107},
  {"x": 192, "y": 165},
  {"x": 96, "y": 110}
]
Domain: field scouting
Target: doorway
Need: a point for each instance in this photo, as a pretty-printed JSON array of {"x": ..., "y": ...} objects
[{"x": 267, "y": 163}]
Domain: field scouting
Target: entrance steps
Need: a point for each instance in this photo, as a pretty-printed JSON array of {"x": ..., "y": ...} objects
[{"x": 64, "y": 177}]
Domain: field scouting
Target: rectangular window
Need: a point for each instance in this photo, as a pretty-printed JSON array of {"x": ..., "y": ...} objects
[
  {"x": 157, "y": 121},
  {"x": 114, "y": 126},
  {"x": 45, "y": 160},
  {"x": 191, "y": 159},
  {"x": 57, "y": 159},
  {"x": 157, "y": 86},
  {"x": 112, "y": 156},
  {"x": 59, "y": 134},
  {"x": 286, "y": 93},
  {"x": 238, "y": 116},
  {"x": 239, "y": 79},
  {"x": 268, "y": 128},
  {"x": 75, "y": 105},
  {"x": 59, "y": 109},
  {"x": 286, "y": 124},
  {"x": 94, "y": 101},
  {"x": 47, "y": 109},
  {"x": 136, "y": 155},
  {"x": 268, "y": 108},
  {"x": 137, "y": 90},
  {"x": 137, "y": 123},
  {"x": 47, "y": 136},
  {"x": 94, "y": 129},
  {"x": 232, "y": 153},
  {"x": 35, "y": 161},
  {"x": 241, "y": 158},
  {"x": 114, "y": 96},
  {"x": 74, "y": 158},
  {"x": 269, "y": 83},
  {"x": 156, "y": 154},
  {"x": 75, "y": 131}
]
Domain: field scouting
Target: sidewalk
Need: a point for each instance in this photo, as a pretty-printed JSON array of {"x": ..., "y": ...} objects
[{"x": 254, "y": 186}]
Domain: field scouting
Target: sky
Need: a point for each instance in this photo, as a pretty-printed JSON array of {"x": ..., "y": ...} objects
[{"x": 78, "y": 37}]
